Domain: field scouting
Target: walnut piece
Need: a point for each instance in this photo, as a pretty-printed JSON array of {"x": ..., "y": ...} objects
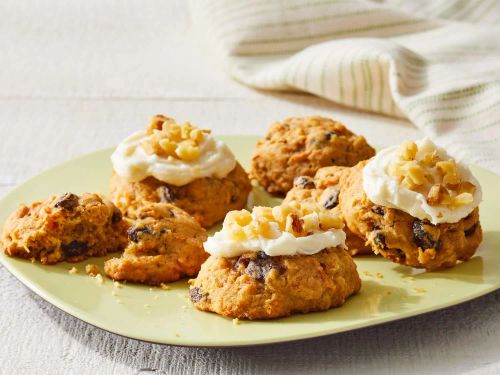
[
  {"x": 169, "y": 139},
  {"x": 300, "y": 219},
  {"x": 440, "y": 180}
]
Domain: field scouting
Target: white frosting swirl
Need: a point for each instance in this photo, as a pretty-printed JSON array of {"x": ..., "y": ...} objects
[
  {"x": 132, "y": 163},
  {"x": 385, "y": 190},
  {"x": 282, "y": 243}
]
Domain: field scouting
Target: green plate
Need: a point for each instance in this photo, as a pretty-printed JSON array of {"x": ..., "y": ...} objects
[{"x": 389, "y": 291}]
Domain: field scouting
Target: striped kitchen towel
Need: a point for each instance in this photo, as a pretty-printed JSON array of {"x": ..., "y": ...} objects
[{"x": 434, "y": 62}]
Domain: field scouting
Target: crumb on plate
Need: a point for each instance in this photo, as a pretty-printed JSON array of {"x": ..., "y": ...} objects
[{"x": 92, "y": 270}]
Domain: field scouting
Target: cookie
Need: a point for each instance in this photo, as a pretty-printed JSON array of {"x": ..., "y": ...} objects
[
  {"x": 403, "y": 238},
  {"x": 165, "y": 244},
  {"x": 324, "y": 190},
  {"x": 300, "y": 146},
  {"x": 206, "y": 199},
  {"x": 181, "y": 164},
  {"x": 257, "y": 286},
  {"x": 65, "y": 228}
]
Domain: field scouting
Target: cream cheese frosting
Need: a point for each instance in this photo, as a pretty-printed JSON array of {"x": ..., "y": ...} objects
[
  {"x": 384, "y": 189},
  {"x": 284, "y": 244},
  {"x": 132, "y": 162},
  {"x": 244, "y": 232}
]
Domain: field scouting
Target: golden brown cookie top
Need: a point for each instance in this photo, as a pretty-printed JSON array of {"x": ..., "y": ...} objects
[
  {"x": 161, "y": 224},
  {"x": 89, "y": 206},
  {"x": 329, "y": 176},
  {"x": 67, "y": 227},
  {"x": 300, "y": 146}
]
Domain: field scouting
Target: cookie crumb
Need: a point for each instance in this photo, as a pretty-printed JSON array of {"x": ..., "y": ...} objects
[
  {"x": 99, "y": 279},
  {"x": 367, "y": 273},
  {"x": 177, "y": 334},
  {"x": 410, "y": 278},
  {"x": 236, "y": 321},
  {"x": 420, "y": 290},
  {"x": 164, "y": 286},
  {"x": 73, "y": 270},
  {"x": 92, "y": 270},
  {"x": 379, "y": 275},
  {"x": 116, "y": 284}
]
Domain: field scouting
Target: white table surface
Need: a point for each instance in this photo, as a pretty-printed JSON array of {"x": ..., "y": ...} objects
[{"x": 80, "y": 76}]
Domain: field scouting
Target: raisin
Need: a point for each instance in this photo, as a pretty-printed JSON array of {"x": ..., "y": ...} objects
[
  {"x": 378, "y": 210},
  {"x": 116, "y": 217},
  {"x": 439, "y": 244},
  {"x": 423, "y": 236},
  {"x": 67, "y": 201},
  {"x": 304, "y": 182},
  {"x": 135, "y": 234},
  {"x": 329, "y": 135},
  {"x": 379, "y": 241},
  {"x": 196, "y": 295},
  {"x": 332, "y": 201},
  {"x": 469, "y": 232},
  {"x": 74, "y": 248},
  {"x": 260, "y": 266},
  {"x": 167, "y": 195},
  {"x": 400, "y": 253},
  {"x": 242, "y": 260}
]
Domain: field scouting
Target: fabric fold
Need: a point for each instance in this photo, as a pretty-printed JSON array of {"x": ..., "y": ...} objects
[{"x": 435, "y": 63}]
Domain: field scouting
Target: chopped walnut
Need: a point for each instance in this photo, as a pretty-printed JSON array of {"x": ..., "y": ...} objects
[
  {"x": 425, "y": 172},
  {"x": 300, "y": 219},
  {"x": 172, "y": 140}
]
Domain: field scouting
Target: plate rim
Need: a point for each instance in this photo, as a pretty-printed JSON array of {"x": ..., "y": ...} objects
[{"x": 8, "y": 263}]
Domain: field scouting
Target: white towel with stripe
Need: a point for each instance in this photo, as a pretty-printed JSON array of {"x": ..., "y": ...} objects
[{"x": 434, "y": 62}]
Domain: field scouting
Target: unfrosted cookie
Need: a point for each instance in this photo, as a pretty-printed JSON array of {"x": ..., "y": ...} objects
[
  {"x": 300, "y": 146},
  {"x": 257, "y": 286},
  {"x": 206, "y": 199},
  {"x": 65, "y": 228},
  {"x": 324, "y": 190},
  {"x": 402, "y": 238},
  {"x": 165, "y": 244}
]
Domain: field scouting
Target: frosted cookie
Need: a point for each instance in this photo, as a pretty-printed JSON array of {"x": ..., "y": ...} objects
[
  {"x": 165, "y": 244},
  {"x": 300, "y": 146},
  {"x": 178, "y": 164},
  {"x": 275, "y": 262},
  {"x": 65, "y": 228},
  {"x": 324, "y": 191},
  {"x": 415, "y": 205}
]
